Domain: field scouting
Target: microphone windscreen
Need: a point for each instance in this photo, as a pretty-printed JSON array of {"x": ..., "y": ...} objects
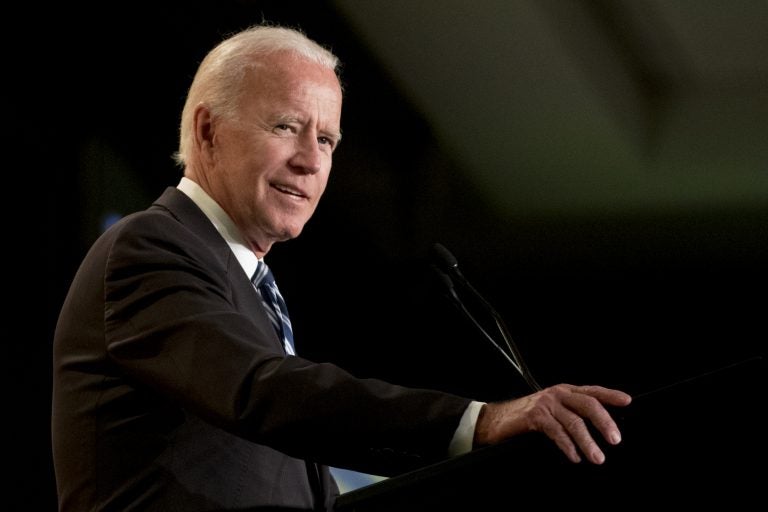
[{"x": 444, "y": 259}]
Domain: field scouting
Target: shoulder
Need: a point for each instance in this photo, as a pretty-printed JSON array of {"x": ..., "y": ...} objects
[{"x": 173, "y": 227}]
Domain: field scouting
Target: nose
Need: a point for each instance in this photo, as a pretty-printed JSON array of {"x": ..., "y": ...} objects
[{"x": 308, "y": 156}]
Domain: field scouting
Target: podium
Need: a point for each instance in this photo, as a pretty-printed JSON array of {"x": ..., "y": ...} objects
[{"x": 695, "y": 443}]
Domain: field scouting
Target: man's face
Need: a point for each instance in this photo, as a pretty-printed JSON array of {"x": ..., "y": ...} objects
[{"x": 270, "y": 166}]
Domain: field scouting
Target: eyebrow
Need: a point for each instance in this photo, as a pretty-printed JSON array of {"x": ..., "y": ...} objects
[
  {"x": 336, "y": 136},
  {"x": 293, "y": 118}
]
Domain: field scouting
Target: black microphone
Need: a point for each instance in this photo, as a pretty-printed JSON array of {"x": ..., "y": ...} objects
[
  {"x": 448, "y": 267},
  {"x": 448, "y": 263}
]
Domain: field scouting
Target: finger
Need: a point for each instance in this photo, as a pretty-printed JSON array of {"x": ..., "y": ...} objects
[
  {"x": 557, "y": 433},
  {"x": 588, "y": 406},
  {"x": 607, "y": 396},
  {"x": 577, "y": 432}
]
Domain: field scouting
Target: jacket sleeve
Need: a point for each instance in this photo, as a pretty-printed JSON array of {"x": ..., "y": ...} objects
[{"x": 181, "y": 322}]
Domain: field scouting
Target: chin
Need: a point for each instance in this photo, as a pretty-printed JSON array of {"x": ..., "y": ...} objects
[
  {"x": 290, "y": 232},
  {"x": 290, "y": 229}
]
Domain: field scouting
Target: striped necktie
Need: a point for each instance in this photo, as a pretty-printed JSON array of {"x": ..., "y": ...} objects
[{"x": 277, "y": 311}]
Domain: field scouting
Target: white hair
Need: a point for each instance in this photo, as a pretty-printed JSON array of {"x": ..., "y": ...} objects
[{"x": 219, "y": 79}]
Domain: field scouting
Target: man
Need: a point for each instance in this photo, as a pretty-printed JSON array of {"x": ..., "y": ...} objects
[{"x": 176, "y": 386}]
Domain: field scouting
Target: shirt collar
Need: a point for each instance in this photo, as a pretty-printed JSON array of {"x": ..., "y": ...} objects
[{"x": 223, "y": 224}]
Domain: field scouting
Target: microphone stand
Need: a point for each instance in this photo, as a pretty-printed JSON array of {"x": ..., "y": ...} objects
[{"x": 447, "y": 265}]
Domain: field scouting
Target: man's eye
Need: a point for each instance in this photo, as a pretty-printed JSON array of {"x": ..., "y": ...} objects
[{"x": 286, "y": 127}]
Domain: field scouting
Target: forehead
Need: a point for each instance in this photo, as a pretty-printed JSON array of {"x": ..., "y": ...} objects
[{"x": 288, "y": 77}]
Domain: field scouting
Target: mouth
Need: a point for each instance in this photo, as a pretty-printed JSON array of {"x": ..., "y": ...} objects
[{"x": 290, "y": 191}]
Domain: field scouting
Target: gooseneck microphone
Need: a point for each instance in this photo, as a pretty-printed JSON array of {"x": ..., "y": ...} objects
[{"x": 448, "y": 269}]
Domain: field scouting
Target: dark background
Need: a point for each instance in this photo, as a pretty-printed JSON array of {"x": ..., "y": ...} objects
[{"x": 630, "y": 298}]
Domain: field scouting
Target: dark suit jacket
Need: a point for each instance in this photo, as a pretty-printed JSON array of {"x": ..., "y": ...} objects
[{"x": 172, "y": 391}]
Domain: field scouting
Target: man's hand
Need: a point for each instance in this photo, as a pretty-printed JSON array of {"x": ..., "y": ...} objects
[{"x": 561, "y": 412}]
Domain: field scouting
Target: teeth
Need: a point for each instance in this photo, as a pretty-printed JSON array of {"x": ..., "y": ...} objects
[{"x": 288, "y": 191}]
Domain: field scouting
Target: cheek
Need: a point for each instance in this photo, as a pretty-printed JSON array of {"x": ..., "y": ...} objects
[
  {"x": 322, "y": 184},
  {"x": 247, "y": 168}
]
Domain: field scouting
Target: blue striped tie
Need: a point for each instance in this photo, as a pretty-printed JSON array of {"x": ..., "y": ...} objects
[{"x": 265, "y": 284}]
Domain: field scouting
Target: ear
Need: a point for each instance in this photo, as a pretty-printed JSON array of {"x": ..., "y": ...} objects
[{"x": 203, "y": 126}]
